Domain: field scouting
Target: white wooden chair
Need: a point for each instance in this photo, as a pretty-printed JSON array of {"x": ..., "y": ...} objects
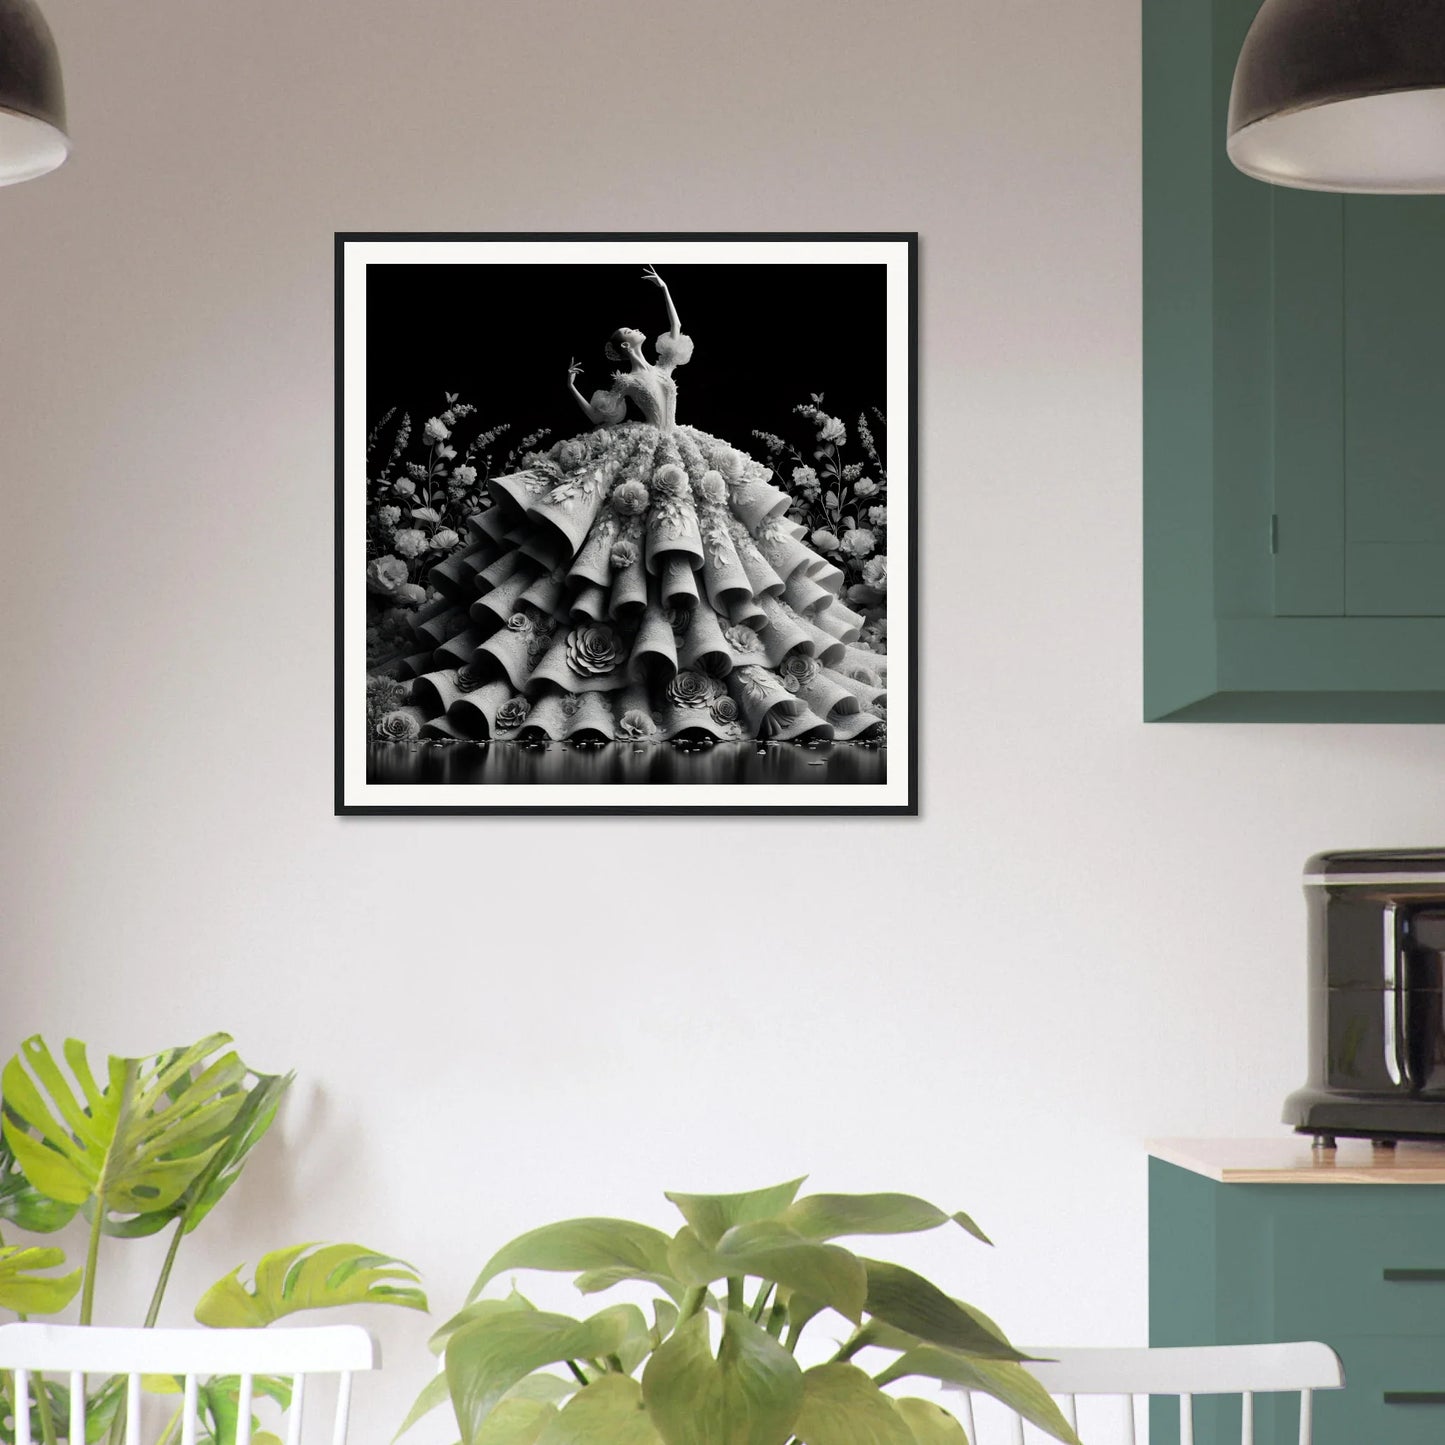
[
  {"x": 1244, "y": 1370},
  {"x": 74, "y": 1352}
]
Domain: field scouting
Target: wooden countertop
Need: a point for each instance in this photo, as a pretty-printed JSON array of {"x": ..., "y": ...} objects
[{"x": 1290, "y": 1159}]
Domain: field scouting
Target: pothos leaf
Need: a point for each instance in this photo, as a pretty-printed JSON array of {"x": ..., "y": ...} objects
[
  {"x": 1003, "y": 1379},
  {"x": 489, "y": 1355},
  {"x": 842, "y": 1406},
  {"x": 749, "y": 1395},
  {"x": 581, "y": 1244},
  {"x": 712, "y": 1215}
]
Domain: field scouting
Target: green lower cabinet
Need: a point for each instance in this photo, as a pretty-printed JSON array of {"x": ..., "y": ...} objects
[{"x": 1359, "y": 1266}]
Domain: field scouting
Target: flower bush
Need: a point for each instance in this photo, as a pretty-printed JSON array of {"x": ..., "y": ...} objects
[
  {"x": 841, "y": 500},
  {"x": 424, "y": 482}
]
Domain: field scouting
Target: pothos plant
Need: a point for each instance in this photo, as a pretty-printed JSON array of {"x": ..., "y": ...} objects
[
  {"x": 764, "y": 1266},
  {"x": 152, "y": 1144}
]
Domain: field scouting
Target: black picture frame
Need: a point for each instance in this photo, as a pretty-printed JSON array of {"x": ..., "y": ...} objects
[{"x": 902, "y": 802}]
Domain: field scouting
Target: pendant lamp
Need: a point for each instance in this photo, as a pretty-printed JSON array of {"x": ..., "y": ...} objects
[
  {"x": 32, "y": 98},
  {"x": 1342, "y": 95}
]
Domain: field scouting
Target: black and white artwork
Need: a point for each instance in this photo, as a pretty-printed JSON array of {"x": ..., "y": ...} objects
[{"x": 626, "y": 523}]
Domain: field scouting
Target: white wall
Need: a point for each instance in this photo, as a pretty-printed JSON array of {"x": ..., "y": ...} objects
[{"x": 1094, "y": 934}]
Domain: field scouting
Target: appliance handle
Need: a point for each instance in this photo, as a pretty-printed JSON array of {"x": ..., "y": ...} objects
[{"x": 1414, "y": 1276}]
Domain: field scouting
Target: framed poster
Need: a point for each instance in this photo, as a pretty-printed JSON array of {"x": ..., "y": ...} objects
[{"x": 626, "y": 523}]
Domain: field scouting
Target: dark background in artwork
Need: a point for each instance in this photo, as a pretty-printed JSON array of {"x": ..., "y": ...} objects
[{"x": 766, "y": 337}]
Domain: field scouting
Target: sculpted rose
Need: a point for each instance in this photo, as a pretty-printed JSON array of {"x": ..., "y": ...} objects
[
  {"x": 730, "y": 463},
  {"x": 624, "y": 554},
  {"x": 712, "y": 488},
  {"x": 802, "y": 669},
  {"x": 631, "y": 499},
  {"x": 398, "y": 727},
  {"x": 670, "y": 480},
  {"x": 724, "y": 709},
  {"x": 690, "y": 689},
  {"x": 593, "y": 651},
  {"x": 512, "y": 714}
]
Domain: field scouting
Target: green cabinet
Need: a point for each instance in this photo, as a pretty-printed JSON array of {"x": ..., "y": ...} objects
[
  {"x": 1294, "y": 420},
  {"x": 1359, "y": 1266}
]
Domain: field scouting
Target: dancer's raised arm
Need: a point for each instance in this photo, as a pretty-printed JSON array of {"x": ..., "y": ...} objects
[{"x": 650, "y": 274}]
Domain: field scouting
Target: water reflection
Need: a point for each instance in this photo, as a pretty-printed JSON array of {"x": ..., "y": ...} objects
[{"x": 542, "y": 763}]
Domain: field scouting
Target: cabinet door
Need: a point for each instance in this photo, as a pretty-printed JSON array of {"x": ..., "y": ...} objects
[
  {"x": 1359, "y": 405},
  {"x": 1294, "y": 420}
]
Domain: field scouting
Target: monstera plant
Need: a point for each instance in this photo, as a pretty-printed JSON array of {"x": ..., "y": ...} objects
[
  {"x": 714, "y": 1359},
  {"x": 151, "y": 1144}
]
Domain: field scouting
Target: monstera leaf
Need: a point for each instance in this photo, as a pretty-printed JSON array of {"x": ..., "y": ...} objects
[
  {"x": 308, "y": 1277},
  {"x": 256, "y": 1114},
  {"x": 25, "y": 1289},
  {"x": 132, "y": 1146},
  {"x": 219, "y": 1403},
  {"x": 23, "y": 1205}
]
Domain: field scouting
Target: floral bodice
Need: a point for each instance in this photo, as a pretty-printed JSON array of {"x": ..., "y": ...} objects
[{"x": 649, "y": 387}]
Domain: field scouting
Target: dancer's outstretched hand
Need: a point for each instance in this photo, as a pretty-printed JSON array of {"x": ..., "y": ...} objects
[
  {"x": 574, "y": 370},
  {"x": 650, "y": 274}
]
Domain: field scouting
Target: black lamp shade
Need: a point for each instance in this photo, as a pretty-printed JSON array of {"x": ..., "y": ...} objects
[
  {"x": 1342, "y": 95},
  {"x": 32, "y": 96}
]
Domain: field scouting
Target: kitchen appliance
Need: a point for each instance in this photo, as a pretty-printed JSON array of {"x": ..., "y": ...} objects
[{"x": 1376, "y": 997}]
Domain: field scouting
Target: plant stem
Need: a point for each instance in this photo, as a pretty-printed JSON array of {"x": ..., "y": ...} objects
[
  {"x": 42, "y": 1403},
  {"x": 153, "y": 1313},
  {"x": 170, "y": 1429},
  {"x": 92, "y": 1258},
  {"x": 577, "y": 1372},
  {"x": 848, "y": 1348},
  {"x": 735, "y": 1292},
  {"x": 756, "y": 1313},
  {"x": 692, "y": 1302}
]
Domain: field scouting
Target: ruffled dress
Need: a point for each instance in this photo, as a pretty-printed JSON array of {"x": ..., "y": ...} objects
[{"x": 640, "y": 581}]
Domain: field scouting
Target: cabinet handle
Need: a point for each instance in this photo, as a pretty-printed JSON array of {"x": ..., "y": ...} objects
[
  {"x": 1415, "y": 1397},
  {"x": 1415, "y": 1276}
]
